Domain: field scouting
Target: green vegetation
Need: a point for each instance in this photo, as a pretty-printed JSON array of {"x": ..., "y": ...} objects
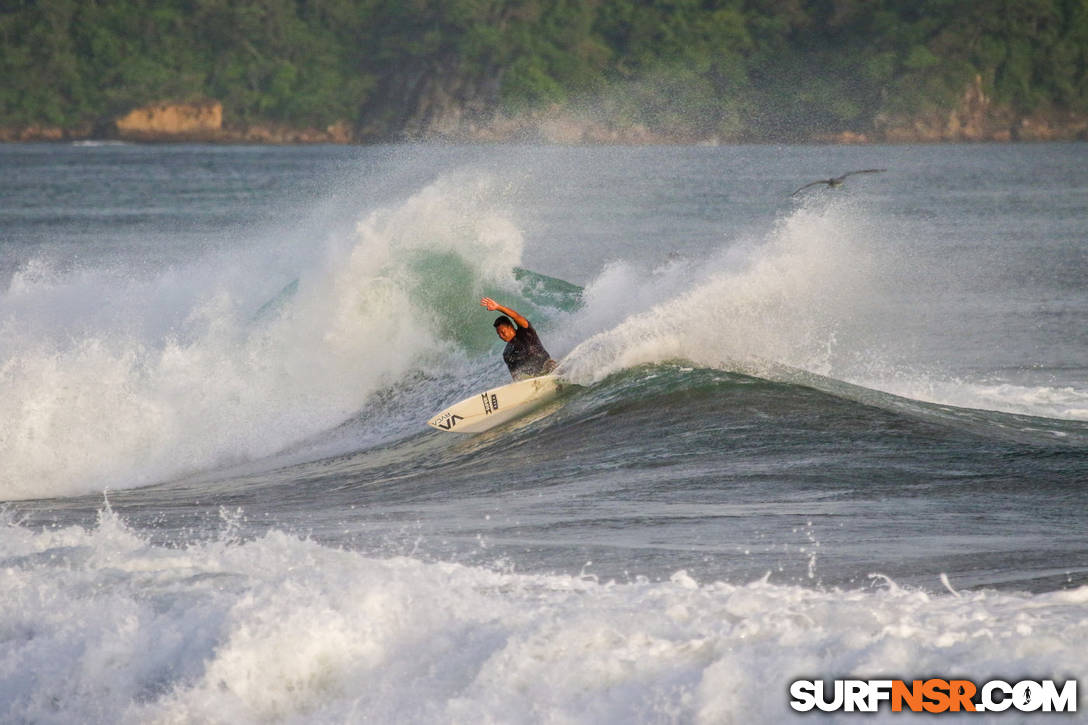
[{"x": 736, "y": 68}]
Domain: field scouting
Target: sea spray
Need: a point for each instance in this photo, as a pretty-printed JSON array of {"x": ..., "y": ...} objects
[
  {"x": 819, "y": 301},
  {"x": 117, "y": 401},
  {"x": 784, "y": 301}
]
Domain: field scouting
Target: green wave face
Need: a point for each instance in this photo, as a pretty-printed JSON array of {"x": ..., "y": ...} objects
[
  {"x": 545, "y": 291},
  {"x": 446, "y": 288}
]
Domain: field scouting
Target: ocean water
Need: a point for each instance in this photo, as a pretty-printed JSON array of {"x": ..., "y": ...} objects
[{"x": 837, "y": 435}]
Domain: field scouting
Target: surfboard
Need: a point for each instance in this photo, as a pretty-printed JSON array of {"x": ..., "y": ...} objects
[{"x": 490, "y": 408}]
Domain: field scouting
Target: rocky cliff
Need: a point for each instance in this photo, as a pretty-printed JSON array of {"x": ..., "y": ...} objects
[
  {"x": 977, "y": 118},
  {"x": 435, "y": 106},
  {"x": 170, "y": 121}
]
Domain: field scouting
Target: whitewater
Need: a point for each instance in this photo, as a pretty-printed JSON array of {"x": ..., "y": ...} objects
[{"x": 841, "y": 435}]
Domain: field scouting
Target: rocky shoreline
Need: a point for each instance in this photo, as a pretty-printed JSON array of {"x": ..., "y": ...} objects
[
  {"x": 976, "y": 119},
  {"x": 179, "y": 123}
]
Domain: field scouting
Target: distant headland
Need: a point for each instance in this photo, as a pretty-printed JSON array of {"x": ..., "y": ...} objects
[{"x": 536, "y": 71}]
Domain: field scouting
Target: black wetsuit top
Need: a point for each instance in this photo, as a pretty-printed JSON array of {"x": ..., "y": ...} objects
[{"x": 525, "y": 355}]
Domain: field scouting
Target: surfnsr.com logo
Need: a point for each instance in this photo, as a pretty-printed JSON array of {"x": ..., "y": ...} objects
[{"x": 934, "y": 695}]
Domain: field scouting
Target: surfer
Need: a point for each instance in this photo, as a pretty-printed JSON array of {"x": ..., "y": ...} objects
[{"x": 524, "y": 354}]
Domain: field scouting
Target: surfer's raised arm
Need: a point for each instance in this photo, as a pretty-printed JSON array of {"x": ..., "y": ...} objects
[{"x": 494, "y": 306}]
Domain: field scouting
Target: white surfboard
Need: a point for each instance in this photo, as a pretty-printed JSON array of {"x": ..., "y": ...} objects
[{"x": 496, "y": 406}]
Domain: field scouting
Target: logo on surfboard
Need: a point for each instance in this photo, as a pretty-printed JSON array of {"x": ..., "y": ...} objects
[
  {"x": 491, "y": 403},
  {"x": 449, "y": 422},
  {"x": 486, "y": 410}
]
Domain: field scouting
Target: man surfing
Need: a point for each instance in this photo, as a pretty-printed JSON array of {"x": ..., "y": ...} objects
[{"x": 524, "y": 354}]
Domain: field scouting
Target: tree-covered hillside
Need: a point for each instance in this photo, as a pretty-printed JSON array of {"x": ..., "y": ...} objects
[{"x": 733, "y": 69}]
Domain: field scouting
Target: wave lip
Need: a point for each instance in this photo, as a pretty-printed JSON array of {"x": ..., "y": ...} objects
[
  {"x": 816, "y": 298},
  {"x": 117, "y": 401}
]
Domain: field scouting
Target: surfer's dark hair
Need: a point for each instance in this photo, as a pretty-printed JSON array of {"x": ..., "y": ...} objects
[{"x": 502, "y": 320}]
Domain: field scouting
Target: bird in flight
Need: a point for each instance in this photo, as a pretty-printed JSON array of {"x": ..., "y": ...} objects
[{"x": 836, "y": 181}]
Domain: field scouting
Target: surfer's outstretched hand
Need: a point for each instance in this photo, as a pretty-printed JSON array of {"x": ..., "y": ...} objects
[{"x": 492, "y": 305}]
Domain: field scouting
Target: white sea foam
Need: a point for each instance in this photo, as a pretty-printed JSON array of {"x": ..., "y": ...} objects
[
  {"x": 96, "y": 390},
  {"x": 100, "y": 626},
  {"x": 817, "y": 295},
  {"x": 1063, "y": 402},
  {"x": 100, "y": 143},
  {"x": 783, "y": 301}
]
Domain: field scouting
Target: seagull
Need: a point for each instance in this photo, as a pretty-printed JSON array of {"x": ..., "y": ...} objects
[{"x": 836, "y": 181}]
